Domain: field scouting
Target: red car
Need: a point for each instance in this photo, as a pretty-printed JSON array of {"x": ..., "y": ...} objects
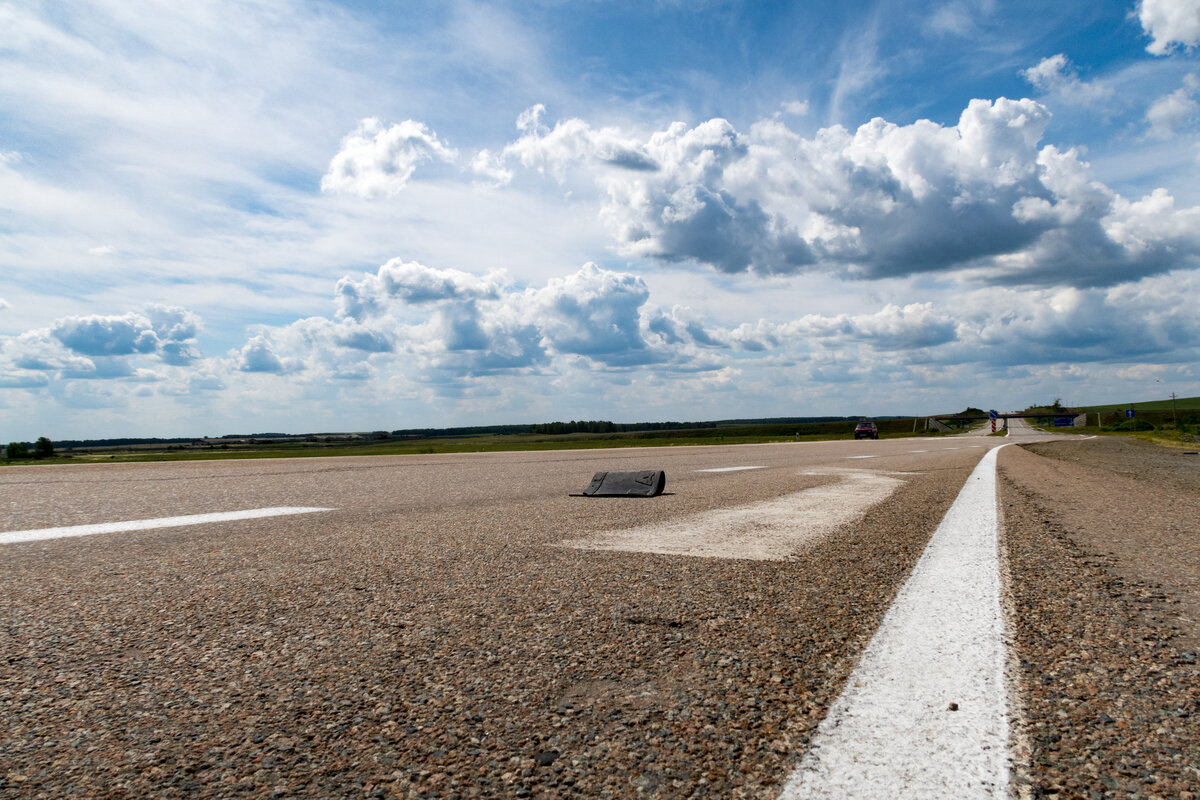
[{"x": 866, "y": 430}]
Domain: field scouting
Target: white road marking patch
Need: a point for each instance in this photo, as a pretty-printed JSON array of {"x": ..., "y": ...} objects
[
  {"x": 918, "y": 451},
  {"x": 10, "y": 537},
  {"x": 728, "y": 469},
  {"x": 850, "y": 457},
  {"x": 891, "y": 733},
  {"x": 768, "y": 531}
]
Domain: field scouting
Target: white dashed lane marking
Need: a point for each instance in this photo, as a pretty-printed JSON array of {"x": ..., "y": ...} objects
[
  {"x": 147, "y": 524},
  {"x": 851, "y": 457},
  {"x": 925, "y": 712},
  {"x": 728, "y": 469}
]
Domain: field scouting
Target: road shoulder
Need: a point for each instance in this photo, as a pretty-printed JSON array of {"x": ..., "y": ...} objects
[{"x": 1106, "y": 650}]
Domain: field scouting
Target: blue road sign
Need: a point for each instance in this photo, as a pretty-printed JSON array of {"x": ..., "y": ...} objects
[
  {"x": 1129, "y": 413},
  {"x": 992, "y": 414}
]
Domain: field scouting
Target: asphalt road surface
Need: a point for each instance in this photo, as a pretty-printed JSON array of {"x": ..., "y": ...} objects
[{"x": 452, "y": 626}]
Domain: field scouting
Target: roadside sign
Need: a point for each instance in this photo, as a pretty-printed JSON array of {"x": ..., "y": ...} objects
[
  {"x": 1064, "y": 422},
  {"x": 1129, "y": 413},
  {"x": 992, "y": 414}
]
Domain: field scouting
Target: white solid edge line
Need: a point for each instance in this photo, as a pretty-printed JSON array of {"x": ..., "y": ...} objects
[
  {"x": 925, "y": 712},
  {"x": 10, "y": 537}
]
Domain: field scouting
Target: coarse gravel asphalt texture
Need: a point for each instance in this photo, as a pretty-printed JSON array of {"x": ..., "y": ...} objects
[
  {"x": 1102, "y": 538},
  {"x": 430, "y": 638}
]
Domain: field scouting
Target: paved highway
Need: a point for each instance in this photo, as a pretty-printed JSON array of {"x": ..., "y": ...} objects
[{"x": 452, "y": 625}]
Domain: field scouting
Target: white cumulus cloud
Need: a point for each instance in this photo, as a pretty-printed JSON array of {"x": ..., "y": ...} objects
[
  {"x": 595, "y": 313},
  {"x": 375, "y": 161},
  {"x": 1175, "y": 111},
  {"x": 1170, "y": 23},
  {"x": 981, "y": 198},
  {"x": 892, "y": 328},
  {"x": 1057, "y": 75},
  {"x": 410, "y": 282},
  {"x": 258, "y": 355}
]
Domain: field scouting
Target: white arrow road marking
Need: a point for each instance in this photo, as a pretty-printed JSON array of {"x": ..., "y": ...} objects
[
  {"x": 146, "y": 524},
  {"x": 768, "y": 531},
  {"x": 727, "y": 469},
  {"x": 892, "y": 733}
]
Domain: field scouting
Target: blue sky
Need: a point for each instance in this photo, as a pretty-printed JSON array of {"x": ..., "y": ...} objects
[{"x": 238, "y": 216}]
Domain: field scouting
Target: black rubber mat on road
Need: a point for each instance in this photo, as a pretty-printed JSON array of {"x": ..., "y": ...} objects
[{"x": 647, "y": 483}]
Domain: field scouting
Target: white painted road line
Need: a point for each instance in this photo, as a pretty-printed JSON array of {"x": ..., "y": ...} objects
[
  {"x": 892, "y": 732},
  {"x": 728, "y": 469},
  {"x": 847, "y": 458},
  {"x": 767, "y": 531},
  {"x": 10, "y": 537}
]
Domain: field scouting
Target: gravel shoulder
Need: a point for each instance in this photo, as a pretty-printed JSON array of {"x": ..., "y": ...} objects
[{"x": 1102, "y": 546}]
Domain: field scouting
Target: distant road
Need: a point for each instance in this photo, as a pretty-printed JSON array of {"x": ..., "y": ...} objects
[{"x": 1021, "y": 430}]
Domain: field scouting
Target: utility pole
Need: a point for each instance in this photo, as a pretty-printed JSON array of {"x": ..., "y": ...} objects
[{"x": 1174, "y": 419}]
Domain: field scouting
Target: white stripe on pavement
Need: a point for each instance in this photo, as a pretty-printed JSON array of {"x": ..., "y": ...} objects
[
  {"x": 892, "y": 732},
  {"x": 727, "y": 469},
  {"x": 10, "y": 537},
  {"x": 770, "y": 530}
]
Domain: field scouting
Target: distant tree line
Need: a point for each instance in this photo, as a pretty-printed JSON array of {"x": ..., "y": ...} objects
[
  {"x": 477, "y": 430},
  {"x": 42, "y": 448},
  {"x": 256, "y": 436},
  {"x": 574, "y": 426},
  {"x": 607, "y": 426},
  {"x": 1051, "y": 408},
  {"x": 70, "y": 443},
  {"x": 728, "y": 423}
]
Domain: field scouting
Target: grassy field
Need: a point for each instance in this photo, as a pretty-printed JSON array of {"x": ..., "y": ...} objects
[
  {"x": 747, "y": 434},
  {"x": 1154, "y": 420},
  {"x": 1181, "y": 404}
]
